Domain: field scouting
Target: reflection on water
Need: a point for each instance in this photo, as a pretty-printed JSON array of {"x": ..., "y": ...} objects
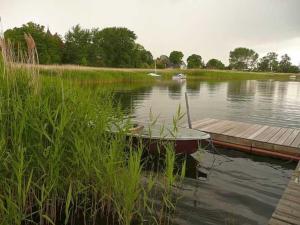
[
  {"x": 241, "y": 189},
  {"x": 269, "y": 102}
]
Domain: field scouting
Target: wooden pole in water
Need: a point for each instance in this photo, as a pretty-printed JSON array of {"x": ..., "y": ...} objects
[{"x": 188, "y": 110}]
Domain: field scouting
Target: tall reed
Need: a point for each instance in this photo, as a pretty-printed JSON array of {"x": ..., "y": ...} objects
[{"x": 58, "y": 163}]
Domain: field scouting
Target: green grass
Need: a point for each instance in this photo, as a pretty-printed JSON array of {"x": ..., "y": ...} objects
[
  {"x": 202, "y": 74},
  {"x": 111, "y": 75},
  {"x": 58, "y": 162},
  {"x": 99, "y": 76}
]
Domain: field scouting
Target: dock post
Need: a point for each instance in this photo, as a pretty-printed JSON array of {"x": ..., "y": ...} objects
[{"x": 188, "y": 110}]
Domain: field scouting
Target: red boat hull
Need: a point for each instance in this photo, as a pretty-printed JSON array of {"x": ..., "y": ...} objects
[{"x": 180, "y": 146}]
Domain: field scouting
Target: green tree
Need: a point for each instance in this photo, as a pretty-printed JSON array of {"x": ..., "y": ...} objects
[
  {"x": 77, "y": 46},
  {"x": 118, "y": 45},
  {"x": 55, "y": 47},
  {"x": 49, "y": 46},
  {"x": 142, "y": 57},
  {"x": 294, "y": 69},
  {"x": 176, "y": 58},
  {"x": 243, "y": 59},
  {"x": 285, "y": 64},
  {"x": 194, "y": 61},
  {"x": 163, "y": 62},
  {"x": 268, "y": 62},
  {"x": 95, "y": 50},
  {"x": 215, "y": 64}
]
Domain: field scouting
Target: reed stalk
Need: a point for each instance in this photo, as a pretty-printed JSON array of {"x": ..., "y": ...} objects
[{"x": 58, "y": 163}]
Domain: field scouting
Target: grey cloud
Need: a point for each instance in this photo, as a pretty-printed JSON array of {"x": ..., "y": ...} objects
[{"x": 207, "y": 27}]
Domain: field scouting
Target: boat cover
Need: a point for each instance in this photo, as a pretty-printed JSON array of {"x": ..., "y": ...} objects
[{"x": 158, "y": 131}]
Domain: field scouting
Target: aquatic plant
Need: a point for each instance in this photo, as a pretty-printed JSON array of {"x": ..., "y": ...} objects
[{"x": 59, "y": 165}]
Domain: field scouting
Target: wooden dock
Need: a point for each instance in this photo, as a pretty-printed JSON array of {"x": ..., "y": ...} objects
[
  {"x": 253, "y": 138},
  {"x": 287, "y": 211},
  {"x": 264, "y": 140}
]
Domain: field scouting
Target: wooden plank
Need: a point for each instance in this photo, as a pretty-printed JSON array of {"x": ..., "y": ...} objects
[
  {"x": 289, "y": 211},
  {"x": 230, "y": 125},
  {"x": 274, "y": 221},
  {"x": 255, "y": 135},
  {"x": 263, "y": 134},
  {"x": 221, "y": 129},
  {"x": 291, "y": 198},
  {"x": 291, "y": 138},
  {"x": 250, "y": 130},
  {"x": 271, "y": 134},
  {"x": 293, "y": 193},
  {"x": 277, "y": 135},
  {"x": 214, "y": 126},
  {"x": 286, "y": 149},
  {"x": 238, "y": 129},
  {"x": 262, "y": 129},
  {"x": 286, "y": 203},
  {"x": 288, "y": 208},
  {"x": 283, "y": 138},
  {"x": 233, "y": 140},
  {"x": 195, "y": 123},
  {"x": 286, "y": 218},
  {"x": 296, "y": 142},
  {"x": 267, "y": 133},
  {"x": 204, "y": 123},
  {"x": 294, "y": 186}
]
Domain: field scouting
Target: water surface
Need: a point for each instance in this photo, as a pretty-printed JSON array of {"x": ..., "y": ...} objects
[
  {"x": 268, "y": 102},
  {"x": 241, "y": 188}
]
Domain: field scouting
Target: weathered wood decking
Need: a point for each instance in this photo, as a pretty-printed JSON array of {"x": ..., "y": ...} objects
[
  {"x": 288, "y": 209},
  {"x": 260, "y": 139},
  {"x": 266, "y": 140}
]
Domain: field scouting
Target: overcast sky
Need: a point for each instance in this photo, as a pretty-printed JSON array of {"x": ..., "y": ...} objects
[{"x": 210, "y": 28}]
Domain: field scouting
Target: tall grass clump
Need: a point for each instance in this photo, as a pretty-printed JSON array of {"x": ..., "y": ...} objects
[
  {"x": 58, "y": 163},
  {"x": 94, "y": 76}
]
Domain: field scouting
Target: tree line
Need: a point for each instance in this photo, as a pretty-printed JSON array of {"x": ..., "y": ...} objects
[
  {"x": 248, "y": 59},
  {"x": 111, "y": 47},
  {"x": 117, "y": 47},
  {"x": 243, "y": 59}
]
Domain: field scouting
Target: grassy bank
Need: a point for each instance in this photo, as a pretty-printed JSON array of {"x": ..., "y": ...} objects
[
  {"x": 58, "y": 163},
  {"x": 110, "y": 75},
  {"x": 103, "y": 76},
  {"x": 202, "y": 74}
]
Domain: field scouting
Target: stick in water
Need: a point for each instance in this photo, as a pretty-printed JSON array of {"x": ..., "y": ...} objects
[{"x": 188, "y": 110}]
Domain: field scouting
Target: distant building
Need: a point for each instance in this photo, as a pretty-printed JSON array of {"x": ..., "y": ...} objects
[{"x": 183, "y": 66}]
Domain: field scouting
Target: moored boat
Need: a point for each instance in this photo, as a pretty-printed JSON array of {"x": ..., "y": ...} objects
[
  {"x": 156, "y": 136},
  {"x": 154, "y": 74},
  {"x": 179, "y": 76}
]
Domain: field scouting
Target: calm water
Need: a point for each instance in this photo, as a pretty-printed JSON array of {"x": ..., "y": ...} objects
[
  {"x": 240, "y": 189},
  {"x": 263, "y": 102}
]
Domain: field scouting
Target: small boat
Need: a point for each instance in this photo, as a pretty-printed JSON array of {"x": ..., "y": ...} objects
[
  {"x": 156, "y": 136},
  {"x": 179, "y": 76},
  {"x": 154, "y": 74}
]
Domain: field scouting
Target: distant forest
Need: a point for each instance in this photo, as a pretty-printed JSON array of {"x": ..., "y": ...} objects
[{"x": 117, "y": 47}]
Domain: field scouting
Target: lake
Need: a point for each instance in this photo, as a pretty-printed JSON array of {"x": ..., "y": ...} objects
[
  {"x": 269, "y": 102},
  {"x": 241, "y": 188}
]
